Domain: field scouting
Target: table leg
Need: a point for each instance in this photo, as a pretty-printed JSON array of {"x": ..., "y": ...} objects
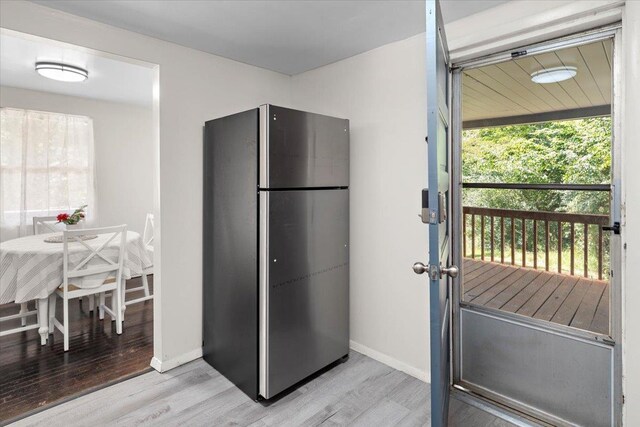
[{"x": 43, "y": 319}]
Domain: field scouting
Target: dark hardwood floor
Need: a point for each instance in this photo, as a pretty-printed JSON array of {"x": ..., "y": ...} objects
[{"x": 34, "y": 376}]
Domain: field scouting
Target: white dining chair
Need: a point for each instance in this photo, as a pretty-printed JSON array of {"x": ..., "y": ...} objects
[
  {"x": 22, "y": 315},
  {"x": 147, "y": 239},
  {"x": 50, "y": 224},
  {"x": 47, "y": 224},
  {"x": 96, "y": 262},
  {"x": 41, "y": 224}
]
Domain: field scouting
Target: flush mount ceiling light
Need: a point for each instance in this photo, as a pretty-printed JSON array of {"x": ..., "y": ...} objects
[
  {"x": 61, "y": 72},
  {"x": 554, "y": 75}
]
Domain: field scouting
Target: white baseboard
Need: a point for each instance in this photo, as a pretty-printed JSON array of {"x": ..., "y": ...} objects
[
  {"x": 390, "y": 361},
  {"x": 166, "y": 365}
]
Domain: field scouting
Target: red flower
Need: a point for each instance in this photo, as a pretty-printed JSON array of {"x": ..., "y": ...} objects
[{"x": 62, "y": 217}]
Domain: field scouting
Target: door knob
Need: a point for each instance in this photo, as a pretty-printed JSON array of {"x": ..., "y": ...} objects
[
  {"x": 420, "y": 268},
  {"x": 451, "y": 271}
]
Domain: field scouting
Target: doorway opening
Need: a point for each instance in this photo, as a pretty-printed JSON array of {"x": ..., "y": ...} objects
[
  {"x": 537, "y": 210},
  {"x": 536, "y": 187},
  {"x": 88, "y": 144}
]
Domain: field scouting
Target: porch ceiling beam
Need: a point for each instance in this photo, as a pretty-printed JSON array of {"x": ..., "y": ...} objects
[{"x": 549, "y": 116}]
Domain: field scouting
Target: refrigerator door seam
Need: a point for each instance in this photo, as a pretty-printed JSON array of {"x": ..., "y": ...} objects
[{"x": 264, "y": 147}]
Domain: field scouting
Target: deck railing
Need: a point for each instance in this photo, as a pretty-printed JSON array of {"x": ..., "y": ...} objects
[{"x": 493, "y": 233}]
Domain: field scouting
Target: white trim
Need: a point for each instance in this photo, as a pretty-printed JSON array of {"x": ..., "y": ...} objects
[
  {"x": 167, "y": 365},
  {"x": 525, "y": 24},
  {"x": 390, "y": 361}
]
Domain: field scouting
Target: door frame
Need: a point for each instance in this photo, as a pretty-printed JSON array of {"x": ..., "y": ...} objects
[{"x": 497, "y": 403}]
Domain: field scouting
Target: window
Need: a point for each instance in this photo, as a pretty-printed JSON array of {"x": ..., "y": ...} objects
[{"x": 46, "y": 167}]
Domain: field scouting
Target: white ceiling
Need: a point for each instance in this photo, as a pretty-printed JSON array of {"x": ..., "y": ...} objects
[
  {"x": 109, "y": 79},
  {"x": 286, "y": 36}
]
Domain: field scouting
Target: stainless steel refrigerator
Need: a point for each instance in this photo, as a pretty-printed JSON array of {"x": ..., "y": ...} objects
[{"x": 275, "y": 246}]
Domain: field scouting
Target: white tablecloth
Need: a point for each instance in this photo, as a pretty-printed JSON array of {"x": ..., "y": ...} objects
[{"x": 30, "y": 268}]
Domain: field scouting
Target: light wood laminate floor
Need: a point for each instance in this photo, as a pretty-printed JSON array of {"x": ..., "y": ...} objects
[{"x": 360, "y": 392}]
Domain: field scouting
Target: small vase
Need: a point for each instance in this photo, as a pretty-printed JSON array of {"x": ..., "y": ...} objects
[{"x": 73, "y": 226}]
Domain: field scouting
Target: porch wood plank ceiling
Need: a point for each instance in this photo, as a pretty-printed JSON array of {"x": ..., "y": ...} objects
[{"x": 503, "y": 93}]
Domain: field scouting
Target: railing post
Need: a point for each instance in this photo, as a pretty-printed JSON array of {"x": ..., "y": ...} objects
[
  {"x": 535, "y": 244},
  {"x": 546, "y": 245},
  {"x": 482, "y": 237},
  {"x": 600, "y": 244},
  {"x": 464, "y": 233},
  {"x": 572, "y": 246},
  {"x": 524, "y": 243},
  {"x": 586, "y": 250},
  {"x": 513, "y": 241},
  {"x": 492, "y": 237},
  {"x": 473, "y": 236},
  {"x": 560, "y": 247},
  {"x": 502, "y": 239}
]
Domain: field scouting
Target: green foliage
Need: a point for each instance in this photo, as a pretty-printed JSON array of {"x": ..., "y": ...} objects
[{"x": 576, "y": 152}]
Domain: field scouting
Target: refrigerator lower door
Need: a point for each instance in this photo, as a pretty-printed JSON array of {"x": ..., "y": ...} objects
[{"x": 304, "y": 284}]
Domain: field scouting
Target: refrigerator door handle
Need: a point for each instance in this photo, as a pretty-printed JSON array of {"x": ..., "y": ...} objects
[{"x": 263, "y": 296}]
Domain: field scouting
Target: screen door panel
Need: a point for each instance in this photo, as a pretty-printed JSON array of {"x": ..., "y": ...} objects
[{"x": 565, "y": 377}]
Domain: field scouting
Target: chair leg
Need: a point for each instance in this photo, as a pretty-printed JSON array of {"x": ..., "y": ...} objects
[
  {"x": 92, "y": 303},
  {"x": 52, "y": 311},
  {"x": 24, "y": 307},
  {"x": 123, "y": 303},
  {"x": 116, "y": 303},
  {"x": 101, "y": 305},
  {"x": 66, "y": 323},
  {"x": 145, "y": 284}
]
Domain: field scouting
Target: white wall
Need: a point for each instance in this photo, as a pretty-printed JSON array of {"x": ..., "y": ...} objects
[
  {"x": 123, "y": 136},
  {"x": 193, "y": 87},
  {"x": 383, "y": 94}
]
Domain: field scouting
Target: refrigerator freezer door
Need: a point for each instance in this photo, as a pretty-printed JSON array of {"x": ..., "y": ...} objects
[
  {"x": 305, "y": 299},
  {"x": 303, "y": 150}
]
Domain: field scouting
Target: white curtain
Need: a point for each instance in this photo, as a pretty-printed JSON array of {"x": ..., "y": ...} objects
[{"x": 46, "y": 167}]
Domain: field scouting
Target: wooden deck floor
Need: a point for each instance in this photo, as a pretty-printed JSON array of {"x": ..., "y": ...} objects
[{"x": 568, "y": 300}]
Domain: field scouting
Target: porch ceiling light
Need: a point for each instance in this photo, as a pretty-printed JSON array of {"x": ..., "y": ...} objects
[
  {"x": 554, "y": 75},
  {"x": 61, "y": 72}
]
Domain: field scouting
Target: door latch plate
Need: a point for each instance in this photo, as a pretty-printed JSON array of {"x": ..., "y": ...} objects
[{"x": 433, "y": 272}]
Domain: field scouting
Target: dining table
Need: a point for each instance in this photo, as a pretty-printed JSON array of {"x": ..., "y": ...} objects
[{"x": 31, "y": 267}]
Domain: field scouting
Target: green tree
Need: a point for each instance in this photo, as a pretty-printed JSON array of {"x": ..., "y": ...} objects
[{"x": 575, "y": 151}]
